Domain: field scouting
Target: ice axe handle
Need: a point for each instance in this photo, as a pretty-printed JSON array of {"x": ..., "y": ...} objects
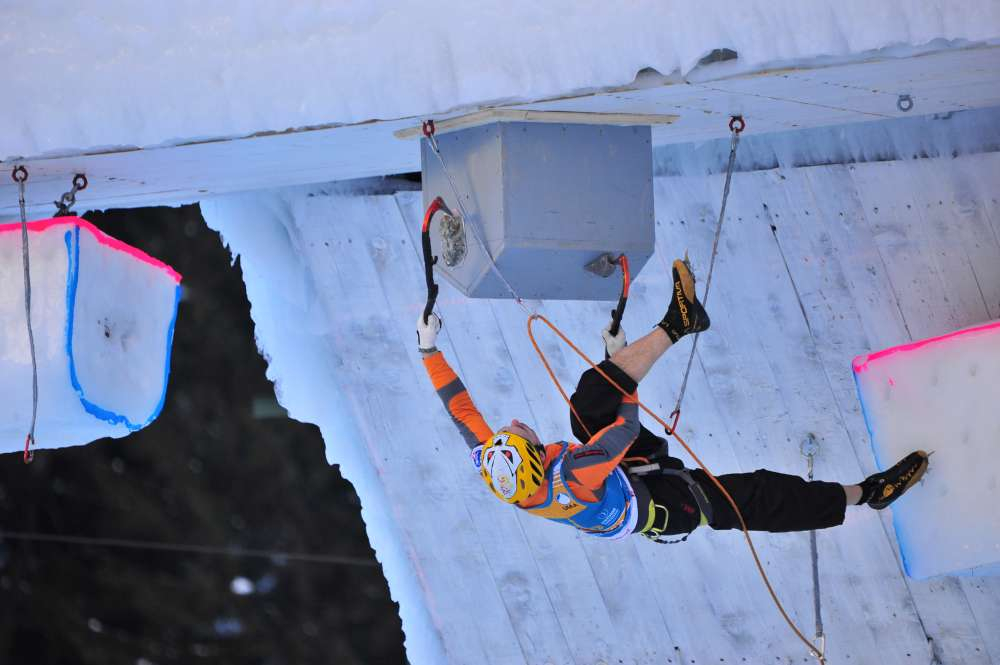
[
  {"x": 619, "y": 311},
  {"x": 429, "y": 260},
  {"x": 432, "y": 295}
]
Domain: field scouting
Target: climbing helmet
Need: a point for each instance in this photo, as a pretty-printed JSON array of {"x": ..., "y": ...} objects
[{"x": 511, "y": 466}]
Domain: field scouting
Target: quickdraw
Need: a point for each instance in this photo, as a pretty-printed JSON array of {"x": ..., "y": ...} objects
[{"x": 68, "y": 200}]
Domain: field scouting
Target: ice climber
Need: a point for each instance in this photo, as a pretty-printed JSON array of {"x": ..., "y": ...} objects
[{"x": 622, "y": 480}]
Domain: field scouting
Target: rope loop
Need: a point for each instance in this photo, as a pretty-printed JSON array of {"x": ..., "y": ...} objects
[
  {"x": 813, "y": 649},
  {"x": 427, "y": 127}
]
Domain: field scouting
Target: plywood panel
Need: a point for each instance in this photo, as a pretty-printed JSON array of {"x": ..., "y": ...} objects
[{"x": 808, "y": 276}]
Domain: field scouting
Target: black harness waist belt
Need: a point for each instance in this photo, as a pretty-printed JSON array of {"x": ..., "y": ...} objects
[
  {"x": 700, "y": 497},
  {"x": 697, "y": 491}
]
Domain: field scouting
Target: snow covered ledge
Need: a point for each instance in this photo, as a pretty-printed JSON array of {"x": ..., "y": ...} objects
[
  {"x": 293, "y": 332},
  {"x": 131, "y": 79},
  {"x": 274, "y": 98}
]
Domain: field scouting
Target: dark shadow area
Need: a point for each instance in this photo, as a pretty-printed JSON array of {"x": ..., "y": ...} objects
[{"x": 222, "y": 469}]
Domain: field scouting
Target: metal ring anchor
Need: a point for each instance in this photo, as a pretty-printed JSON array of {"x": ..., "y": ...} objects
[
  {"x": 19, "y": 174},
  {"x": 68, "y": 200},
  {"x": 904, "y": 103}
]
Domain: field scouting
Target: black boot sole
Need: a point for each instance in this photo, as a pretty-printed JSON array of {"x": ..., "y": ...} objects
[
  {"x": 889, "y": 492},
  {"x": 692, "y": 321}
]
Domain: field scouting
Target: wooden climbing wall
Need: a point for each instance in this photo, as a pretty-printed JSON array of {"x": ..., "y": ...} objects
[{"x": 816, "y": 266}]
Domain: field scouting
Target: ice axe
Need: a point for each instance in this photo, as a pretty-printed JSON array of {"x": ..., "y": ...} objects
[
  {"x": 429, "y": 260},
  {"x": 603, "y": 266}
]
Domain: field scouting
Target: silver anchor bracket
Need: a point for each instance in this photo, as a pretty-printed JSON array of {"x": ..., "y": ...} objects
[{"x": 603, "y": 266}]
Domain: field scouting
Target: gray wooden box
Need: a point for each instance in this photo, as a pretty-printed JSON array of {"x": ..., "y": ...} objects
[{"x": 547, "y": 199}]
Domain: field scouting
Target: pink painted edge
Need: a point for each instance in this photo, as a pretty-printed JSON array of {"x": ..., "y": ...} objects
[
  {"x": 101, "y": 237},
  {"x": 861, "y": 363}
]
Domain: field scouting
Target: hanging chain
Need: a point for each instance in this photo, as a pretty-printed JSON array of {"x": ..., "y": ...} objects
[
  {"x": 736, "y": 127},
  {"x": 20, "y": 176},
  {"x": 68, "y": 200},
  {"x": 429, "y": 130}
]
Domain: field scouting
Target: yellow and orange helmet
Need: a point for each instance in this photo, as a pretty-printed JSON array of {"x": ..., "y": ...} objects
[{"x": 511, "y": 466}]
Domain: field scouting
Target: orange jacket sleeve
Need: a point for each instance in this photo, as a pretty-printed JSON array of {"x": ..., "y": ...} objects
[
  {"x": 591, "y": 464},
  {"x": 449, "y": 387}
]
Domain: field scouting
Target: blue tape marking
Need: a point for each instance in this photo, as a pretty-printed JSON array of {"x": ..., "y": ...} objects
[
  {"x": 903, "y": 542},
  {"x": 72, "y": 280},
  {"x": 72, "y": 277},
  {"x": 166, "y": 364},
  {"x": 903, "y": 548},
  {"x": 868, "y": 422}
]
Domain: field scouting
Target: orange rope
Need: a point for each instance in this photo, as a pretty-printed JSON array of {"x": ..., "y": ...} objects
[{"x": 814, "y": 651}]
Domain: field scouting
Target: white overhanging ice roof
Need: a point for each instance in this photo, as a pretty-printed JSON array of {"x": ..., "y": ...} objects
[
  {"x": 317, "y": 91},
  {"x": 76, "y": 77}
]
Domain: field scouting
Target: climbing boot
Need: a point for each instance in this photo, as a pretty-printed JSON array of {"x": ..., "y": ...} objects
[
  {"x": 881, "y": 489},
  {"x": 685, "y": 314}
]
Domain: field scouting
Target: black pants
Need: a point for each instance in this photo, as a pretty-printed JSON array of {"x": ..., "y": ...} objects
[{"x": 769, "y": 501}]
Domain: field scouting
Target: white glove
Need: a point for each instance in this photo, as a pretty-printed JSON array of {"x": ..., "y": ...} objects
[
  {"x": 427, "y": 332},
  {"x": 614, "y": 343}
]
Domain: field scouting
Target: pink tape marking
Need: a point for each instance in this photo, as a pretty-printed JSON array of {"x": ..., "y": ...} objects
[
  {"x": 861, "y": 362},
  {"x": 101, "y": 237}
]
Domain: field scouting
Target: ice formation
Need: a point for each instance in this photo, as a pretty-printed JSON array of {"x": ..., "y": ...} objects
[
  {"x": 102, "y": 314},
  {"x": 142, "y": 74},
  {"x": 941, "y": 395}
]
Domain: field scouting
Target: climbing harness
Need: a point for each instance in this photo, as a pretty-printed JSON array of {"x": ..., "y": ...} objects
[
  {"x": 20, "y": 176},
  {"x": 655, "y": 531},
  {"x": 736, "y": 126},
  {"x": 809, "y": 448},
  {"x": 68, "y": 200}
]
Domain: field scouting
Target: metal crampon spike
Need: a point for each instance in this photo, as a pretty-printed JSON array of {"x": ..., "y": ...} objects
[{"x": 687, "y": 262}]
